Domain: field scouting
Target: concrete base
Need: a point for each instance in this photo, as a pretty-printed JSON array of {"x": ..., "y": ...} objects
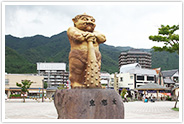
[{"x": 88, "y": 104}]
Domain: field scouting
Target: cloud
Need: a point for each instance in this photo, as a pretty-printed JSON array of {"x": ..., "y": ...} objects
[
  {"x": 37, "y": 21},
  {"x": 124, "y": 24}
]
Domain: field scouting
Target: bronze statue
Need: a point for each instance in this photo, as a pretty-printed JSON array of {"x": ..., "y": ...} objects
[{"x": 84, "y": 57}]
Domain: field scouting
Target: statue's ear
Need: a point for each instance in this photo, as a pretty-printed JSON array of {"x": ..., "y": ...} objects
[{"x": 73, "y": 20}]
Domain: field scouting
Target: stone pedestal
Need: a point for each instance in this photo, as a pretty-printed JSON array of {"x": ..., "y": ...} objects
[{"x": 88, "y": 104}]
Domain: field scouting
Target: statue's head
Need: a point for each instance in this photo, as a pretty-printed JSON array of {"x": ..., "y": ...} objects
[{"x": 84, "y": 22}]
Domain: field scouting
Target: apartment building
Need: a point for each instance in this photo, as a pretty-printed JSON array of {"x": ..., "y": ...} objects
[
  {"x": 54, "y": 73},
  {"x": 135, "y": 56}
]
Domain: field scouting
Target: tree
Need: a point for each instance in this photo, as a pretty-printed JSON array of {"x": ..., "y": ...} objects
[
  {"x": 62, "y": 86},
  {"x": 176, "y": 100},
  {"x": 45, "y": 85},
  {"x": 123, "y": 92},
  {"x": 24, "y": 87},
  {"x": 166, "y": 35}
]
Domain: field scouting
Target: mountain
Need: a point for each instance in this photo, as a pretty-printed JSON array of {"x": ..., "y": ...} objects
[
  {"x": 22, "y": 54},
  {"x": 15, "y": 63},
  {"x": 165, "y": 60}
]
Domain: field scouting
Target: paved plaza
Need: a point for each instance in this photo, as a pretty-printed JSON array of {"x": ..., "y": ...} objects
[{"x": 15, "y": 109}]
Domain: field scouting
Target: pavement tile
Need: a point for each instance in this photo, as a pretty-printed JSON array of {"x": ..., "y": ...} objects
[{"x": 15, "y": 109}]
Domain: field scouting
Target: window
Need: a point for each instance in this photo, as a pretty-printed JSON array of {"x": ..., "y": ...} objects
[
  {"x": 160, "y": 80},
  {"x": 175, "y": 79},
  {"x": 53, "y": 71},
  {"x": 112, "y": 79},
  {"x": 137, "y": 60},
  {"x": 150, "y": 78},
  {"x": 131, "y": 77},
  {"x": 121, "y": 79},
  {"x": 6, "y": 81},
  {"x": 140, "y": 77}
]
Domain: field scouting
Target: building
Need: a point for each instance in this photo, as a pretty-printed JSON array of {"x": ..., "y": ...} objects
[
  {"x": 137, "y": 77},
  {"x": 159, "y": 77},
  {"x": 126, "y": 68},
  {"x": 34, "y": 90},
  {"x": 105, "y": 78},
  {"x": 132, "y": 76},
  {"x": 171, "y": 78},
  {"x": 135, "y": 56},
  {"x": 153, "y": 89},
  {"x": 116, "y": 83},
  {"x": 54, "y": 73}
]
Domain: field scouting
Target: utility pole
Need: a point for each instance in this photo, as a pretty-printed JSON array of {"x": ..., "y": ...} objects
[
  {"x": 42, "y": 90},
  {"x": 116, "y": 86}
]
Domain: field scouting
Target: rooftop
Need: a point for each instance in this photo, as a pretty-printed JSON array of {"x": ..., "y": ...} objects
[
  {"x": 157, "y": 70},
  {"x": 51, "y": 66},
  {"x": 136, "y": 69},
  {"x": 169, "y": 73},
  {"x": 52, "y": 88},
  {"x": 143, "y": 71},
  {"x": 125, "y": 68},
  {"x": 152, "y": 86},
  {"x": 168, "y": 81},
  {"x": 135, "y": 51}
]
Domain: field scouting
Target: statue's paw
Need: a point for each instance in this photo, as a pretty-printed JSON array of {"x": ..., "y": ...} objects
[{"x": 80, "y": 87}]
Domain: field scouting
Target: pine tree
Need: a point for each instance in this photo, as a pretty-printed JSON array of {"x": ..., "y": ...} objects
[
  {"x": 24, "y": 87},
  {"x": 166, "y": 35}
]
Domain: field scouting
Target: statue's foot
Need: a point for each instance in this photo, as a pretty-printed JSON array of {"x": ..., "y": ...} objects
[{"x": 77, "y": 86}]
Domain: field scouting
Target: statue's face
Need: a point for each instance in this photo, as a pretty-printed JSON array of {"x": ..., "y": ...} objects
[{"x": 85, "y": 23}]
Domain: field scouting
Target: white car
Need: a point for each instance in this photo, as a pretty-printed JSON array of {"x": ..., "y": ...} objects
[{"x": 6, "y": 97}]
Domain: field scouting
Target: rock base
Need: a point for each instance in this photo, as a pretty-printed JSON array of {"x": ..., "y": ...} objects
[{"x": 88, "y": 104}]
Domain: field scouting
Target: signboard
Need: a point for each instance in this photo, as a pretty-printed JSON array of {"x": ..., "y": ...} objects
[
  {"x": 51, "y": 66},
  {"x": 166, "y": 94},
  {"x": 152, "y": 91}
]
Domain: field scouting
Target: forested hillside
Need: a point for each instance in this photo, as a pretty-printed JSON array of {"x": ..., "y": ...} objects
[
  {"x": 22, "y": 54},
  {"x": 15, "y": 63}
]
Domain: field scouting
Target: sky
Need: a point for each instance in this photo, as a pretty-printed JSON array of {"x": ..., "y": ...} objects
[{"x": 123, "y": 23}]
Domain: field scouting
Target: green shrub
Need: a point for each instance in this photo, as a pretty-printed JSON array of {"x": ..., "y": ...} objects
[
  {"x": 15, "y": 95},
  {"x": 128, "y": 98},
  {"x": 123, "y": 92},
  {"x": 168, "y": 98}
]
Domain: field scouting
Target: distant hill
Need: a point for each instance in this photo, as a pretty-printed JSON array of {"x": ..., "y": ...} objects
[
  {"x": 15, "y": 63},
  {"x": 22, "y": 54},
  {"x": 165, "y": 60}
]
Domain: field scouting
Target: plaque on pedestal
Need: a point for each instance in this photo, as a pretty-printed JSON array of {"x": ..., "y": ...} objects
[{"x": 88, "y": 104}]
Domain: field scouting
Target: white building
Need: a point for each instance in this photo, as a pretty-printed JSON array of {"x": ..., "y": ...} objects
[
  {"x": 54, "y": 73},
  {"x": 50, "y": 67},
  {"x": 132, "y": 76},
  {"x": 126, "y": 68},
  {"x": 105, "y": 78},
  {"x": 171, "y": 77}
]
